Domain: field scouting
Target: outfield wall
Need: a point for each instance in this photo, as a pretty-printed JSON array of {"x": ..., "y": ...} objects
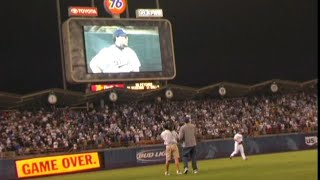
[
  {"x": 212, "y": 149},
  {"x": 129, "y": 157}
]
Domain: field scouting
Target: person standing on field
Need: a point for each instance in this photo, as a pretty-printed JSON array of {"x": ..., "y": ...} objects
[
  {"x": 169, "y": 137},
  {"x": 187, "y": 135},
  {"x": 238, "y": 146}
]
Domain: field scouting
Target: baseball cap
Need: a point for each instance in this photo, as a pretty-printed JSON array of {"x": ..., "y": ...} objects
[
  {"x": 187, "y": 119},
  {"x": 119, "y": 32}
]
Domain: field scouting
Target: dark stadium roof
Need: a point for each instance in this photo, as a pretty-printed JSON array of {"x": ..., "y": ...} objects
[{"x": 67, "y": 98}]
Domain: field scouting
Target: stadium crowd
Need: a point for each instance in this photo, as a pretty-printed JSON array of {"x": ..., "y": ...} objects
[{"x": 41, "y": 131}]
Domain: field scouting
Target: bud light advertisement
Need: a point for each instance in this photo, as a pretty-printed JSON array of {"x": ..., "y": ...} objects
[{"x": 151, "y": 155}]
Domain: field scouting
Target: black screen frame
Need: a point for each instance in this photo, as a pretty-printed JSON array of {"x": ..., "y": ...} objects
[{"x": 75, "y": 57}]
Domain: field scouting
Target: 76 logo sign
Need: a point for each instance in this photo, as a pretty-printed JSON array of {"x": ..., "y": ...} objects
[{"x": 115, "y": 7}]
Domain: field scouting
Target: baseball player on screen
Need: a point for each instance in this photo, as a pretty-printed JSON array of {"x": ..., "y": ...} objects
[
  {"x": 238, "y": 145},
  {"x": 117, "y": 58}
]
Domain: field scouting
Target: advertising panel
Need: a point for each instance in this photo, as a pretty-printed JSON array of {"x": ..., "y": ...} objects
[
  {"x": 311, "y": 140},
  {"x": 115, "y": 7},
  {"x": 82, "y": 11},
  {"x": 149, "y": 13},
  {"x": 151, "y": 155},
  {"x": 57, "y": 164}
]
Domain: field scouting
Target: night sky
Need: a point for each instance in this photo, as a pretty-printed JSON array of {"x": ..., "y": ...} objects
[{"x": 247, "y": 41}]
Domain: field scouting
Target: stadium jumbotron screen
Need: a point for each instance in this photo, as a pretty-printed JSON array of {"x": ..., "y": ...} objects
[
  {"x": 144, "y": 41},
  {"x": 107, "y": 49}
]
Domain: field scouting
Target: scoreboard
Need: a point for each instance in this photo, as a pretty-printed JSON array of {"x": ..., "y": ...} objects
[
  {"x": 143, "y": 86},
  {"x": 151, "y": 40},
  {"x": 131, "y": 86}
]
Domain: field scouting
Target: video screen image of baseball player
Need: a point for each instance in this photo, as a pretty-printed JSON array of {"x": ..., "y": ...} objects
[{"x": 113, "y": 49}]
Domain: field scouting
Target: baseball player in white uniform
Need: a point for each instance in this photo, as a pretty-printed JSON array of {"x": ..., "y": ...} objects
[
  {"x": 117, "y": 58},
  {"x": 169, "y": 137},
  {"x": 238, "y": 145}
]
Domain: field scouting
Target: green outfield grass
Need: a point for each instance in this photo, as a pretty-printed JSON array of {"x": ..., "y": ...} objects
[{"x": 298, "y": 165}]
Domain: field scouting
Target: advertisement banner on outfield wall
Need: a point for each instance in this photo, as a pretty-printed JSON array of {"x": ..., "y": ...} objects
[
  {"x": 146, "y": 156},
  {"x": 311, "y": 140},
  {"x": 56, "y": 164}
]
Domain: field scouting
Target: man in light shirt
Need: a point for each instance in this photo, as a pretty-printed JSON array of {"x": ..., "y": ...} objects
[
  {"x": 238, "y": 145},
  {"x": 169, "y": 137}
]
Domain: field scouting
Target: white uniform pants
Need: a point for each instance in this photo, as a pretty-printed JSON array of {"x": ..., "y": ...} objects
[{"x": 237, "y": 148}]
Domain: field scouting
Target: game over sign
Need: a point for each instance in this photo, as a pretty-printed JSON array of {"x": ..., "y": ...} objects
[{"x": 57, "y": 164}]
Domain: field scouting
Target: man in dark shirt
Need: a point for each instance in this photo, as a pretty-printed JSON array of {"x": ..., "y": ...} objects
[{"x": 187, "y": 135}]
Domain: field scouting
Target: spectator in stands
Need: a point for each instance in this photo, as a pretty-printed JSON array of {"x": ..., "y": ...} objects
[{"x": 35, "y": 132}]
